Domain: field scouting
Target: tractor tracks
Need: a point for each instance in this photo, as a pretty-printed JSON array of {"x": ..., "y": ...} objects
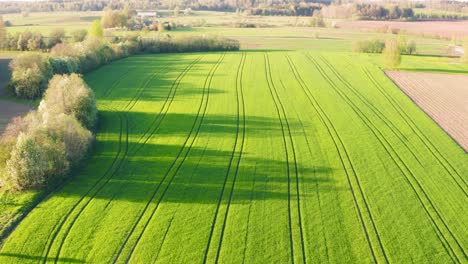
[
  {"x": 422, "y": 137},
  {"x": 410, "y": 178},
  {"x": 286, "y": 133},
  {"x": 346, "y": 162},
  {"x": 108, "y": 175},
  {"x": 175, "y": 166},
  {"x": 237, "y": 148}
]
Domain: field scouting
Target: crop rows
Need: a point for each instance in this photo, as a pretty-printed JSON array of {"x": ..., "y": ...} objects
[{"x": 282, "y": 157}]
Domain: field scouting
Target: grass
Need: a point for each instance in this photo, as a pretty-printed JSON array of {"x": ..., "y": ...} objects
[
  {"x": 45, "y": 22},
  {"x": 276, "y": 32},
  {"x": 270, "y": 157}
]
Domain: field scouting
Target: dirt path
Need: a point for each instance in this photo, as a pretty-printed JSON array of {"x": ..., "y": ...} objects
[{"x": 444, "y": 97}]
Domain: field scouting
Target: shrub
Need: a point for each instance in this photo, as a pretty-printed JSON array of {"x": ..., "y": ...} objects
[
  {"x": 369, "y": 46},
  {"x": 36, "y": 160},
  {"x": 391, "y": 54},
  {"x": 79, "y": 35},
  {"x": 96, "y": 30},
  {"x": 70, "y": 95},
  {"x": 35, "y": 42},
  {"x": 30, "y": 73},
  {"x": 56, "y": 36},
  {"x": 63, "y": 65},
  {"x": 411, "y": 47},
  {"x": 317, "y": 19},
  {"x": 188, "y": 44},
  {"x": 50, "y": 141},
  {"x": 64, "y": 128},
  {"x": 3, "y": 34},
  {"x": 114, "y": 18}
]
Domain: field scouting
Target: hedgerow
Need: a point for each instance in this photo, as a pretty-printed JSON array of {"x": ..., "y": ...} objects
[{"x": 46, "y": 144}]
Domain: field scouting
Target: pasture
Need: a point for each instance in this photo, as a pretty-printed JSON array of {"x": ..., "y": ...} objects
[{"x": 255, "y": 157}]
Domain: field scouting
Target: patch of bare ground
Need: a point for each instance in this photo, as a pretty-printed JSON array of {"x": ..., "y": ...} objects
[
  {"x": 444, "y": 97},
  {"x": 8, "y": 110},
  {"x": 445, "y": 29}
]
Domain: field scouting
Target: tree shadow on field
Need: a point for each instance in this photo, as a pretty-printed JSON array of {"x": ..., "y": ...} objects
[
  {"x": 199, "y": 178},
  {"x": 22, "y": 257},
  {"x": 200, "y": 172},
  {"x": 151, "y": 81}
]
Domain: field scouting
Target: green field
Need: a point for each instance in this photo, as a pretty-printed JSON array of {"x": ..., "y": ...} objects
[
  {"x": 274, "y": 32},
  {"x": 255, "y": 157}
]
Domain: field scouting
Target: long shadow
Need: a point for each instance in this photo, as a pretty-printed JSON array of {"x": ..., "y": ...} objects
[
  {"x": 22, "y": 257},
  {"x": 176, "y": 124},
  {"x": 144, "y": 170}
]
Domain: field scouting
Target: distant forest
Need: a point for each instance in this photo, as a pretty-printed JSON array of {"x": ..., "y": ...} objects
[
  {"x": 98, "y": 5},
  {"x": 378, "y": 10}
]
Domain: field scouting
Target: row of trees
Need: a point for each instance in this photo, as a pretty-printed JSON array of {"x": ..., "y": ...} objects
[
  {"x": 31, "y": 72},
  {"x": 378, "y": 46},
  {"x": 379, "y": 12},
  {"x": 48, "y": 143},
  {"x": 35, "y": 41}
]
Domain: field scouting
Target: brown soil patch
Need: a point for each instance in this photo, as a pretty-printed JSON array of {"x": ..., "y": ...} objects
[
  {"x": 446, "y": 29},
  {"x": 444, "y": 97},
  {"x": 8, "y": 110}
]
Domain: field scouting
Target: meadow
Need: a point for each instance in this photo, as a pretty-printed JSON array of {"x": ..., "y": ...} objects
[
  {"x": 256, "y": 156},
  {"x": 272, "y": 32}
]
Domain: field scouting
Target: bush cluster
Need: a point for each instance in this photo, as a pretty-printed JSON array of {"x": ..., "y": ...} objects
[
  {"x": 47, "y": 143},
  {"x": 369, "y": 46},
  {"x": 30, "y": 74},
  {"x": 32, "y": 71},
  {"x": 378, "y": 46},
  {"x": 169, "y": 44}
]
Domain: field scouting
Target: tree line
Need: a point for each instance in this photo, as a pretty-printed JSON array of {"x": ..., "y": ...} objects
[{"x": 41, "y": 149}]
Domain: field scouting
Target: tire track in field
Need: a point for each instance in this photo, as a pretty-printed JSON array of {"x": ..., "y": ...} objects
[
  {"x": 376, "y": 132},
  {"x": 347, "y": 84},
  {"x": 240, "y": 112},
  {"x": 342, "y": 154},
  {"x": 49, "y": 244},
  {"x": 286, "y": 127},
  {"x": 127, "y": 109},
  {"x": 117, "y": 168},
  {"x": 117, "y": 81},
  {"x": 393, "y": 129},
  {"x": 388, "y": 122},
  {"x": 252, "y": 192},
  {"x": 317, "y": 192},
  {"x": 415, "y": 129},
  {"x": 200, "y": 115},
  {"x": 169, "y": 100}
]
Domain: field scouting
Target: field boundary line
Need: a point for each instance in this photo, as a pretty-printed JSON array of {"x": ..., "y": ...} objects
[
  {"x": 376, "y": 131},
  {"x": 412, "y": 125},
  {"x": 426, "y": 195},
  {"x": 382, "y": 117}
]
